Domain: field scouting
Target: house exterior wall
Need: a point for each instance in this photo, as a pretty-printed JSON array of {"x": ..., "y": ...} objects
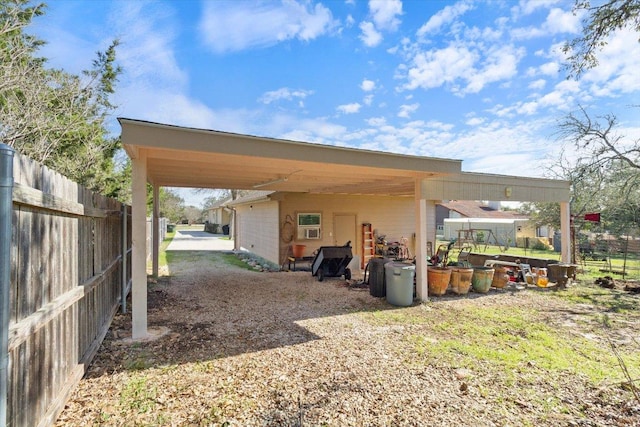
[
  {"x": 390, "y": 216},
  {"x": 529, "y": 229},
  {"x": 219, "y": 216},
  {"x": 258, "y": 230}
]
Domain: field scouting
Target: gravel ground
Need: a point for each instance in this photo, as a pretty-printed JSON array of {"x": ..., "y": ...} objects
[{"x": 246, "y": 348}]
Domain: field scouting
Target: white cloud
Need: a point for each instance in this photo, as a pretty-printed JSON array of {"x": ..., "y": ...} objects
[
  {"x": 154, "y": 87},
  {"x": 318, "y": 131},
  {"x": 444, "y": 17},
  {"x": 367, "y": 85},
  {"x": 619, "y": 62},
  {"x": 562, "y": 21},
  {"x": 538, "y": 84},
  {"x": 558, "y": 21},
  {"x": 376, "y": 121},
  {"x": 475, "y": 121},
  {"x": 228, "y": 26},
  {"x": 561, "y": 98},
  {"x": 407, "y": 109},
  {"x": 465, "y": 69},
  {"x": 367, "y": 100},
  {"x": 436, "y": 67},
  {"x": 434, "y": 124},
  {"x": 370, "y": 37},
  {"x": 349, "y": 21},
  {"x": 349, "y": 108},
  {"x": 550, "y": 69},
  {"x": 283, "y": 93},
  {"x": 147, "y": 50},
  {"x": 385, "y": 13},
  {"x": 500, "y": 64},
  {"x": 527, "y": 7}
]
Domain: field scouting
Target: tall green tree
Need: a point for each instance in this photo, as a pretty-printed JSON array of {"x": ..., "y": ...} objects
[
  {"x": 170, "y": 204},
  {"x": 621, "y": 201},
  {"x": 193, "y": 214},
  {"x": 601, "y": 20},
  {"x": 54, "y": 117}
]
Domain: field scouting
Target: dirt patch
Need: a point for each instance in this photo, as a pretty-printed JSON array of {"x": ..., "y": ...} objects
[{"x": 248, "y": 348}]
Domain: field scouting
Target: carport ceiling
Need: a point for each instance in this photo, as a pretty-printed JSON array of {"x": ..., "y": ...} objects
[{"x": 188, "y": 157}]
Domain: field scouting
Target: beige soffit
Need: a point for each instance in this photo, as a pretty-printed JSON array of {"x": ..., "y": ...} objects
[{"x": 189, "y": 157}]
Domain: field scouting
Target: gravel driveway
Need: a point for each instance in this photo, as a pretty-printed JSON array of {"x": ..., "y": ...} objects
[
  {"x": 195, "y": 240},
  {"x": 281, "y": 349}
]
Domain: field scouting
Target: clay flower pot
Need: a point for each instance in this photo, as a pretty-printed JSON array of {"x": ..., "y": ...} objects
[
  {"x": 461, "y": 280},
  {"x": 500, "y": 277},
  {"x": 482, "y": 279},
  {"x": 438, "y": 280}
]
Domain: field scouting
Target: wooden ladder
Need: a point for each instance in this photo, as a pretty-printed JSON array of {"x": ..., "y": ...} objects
[{"x": 368, "y": 245}]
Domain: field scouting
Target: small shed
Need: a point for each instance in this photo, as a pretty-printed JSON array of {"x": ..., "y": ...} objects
[{"x": 501, "y": 231}]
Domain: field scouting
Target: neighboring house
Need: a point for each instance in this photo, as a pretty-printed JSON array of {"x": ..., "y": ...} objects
[
  {"x": 269, "y": 223},
  {"x": 219, "y": 215},
  {"x": 468, "y": 220}
]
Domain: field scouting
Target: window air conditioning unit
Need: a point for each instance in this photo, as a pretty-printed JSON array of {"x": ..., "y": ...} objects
[{"x": 312, "y": 233}]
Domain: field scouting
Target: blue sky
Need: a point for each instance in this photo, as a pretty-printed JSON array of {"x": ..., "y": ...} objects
[{"x": 481, "y": 81}]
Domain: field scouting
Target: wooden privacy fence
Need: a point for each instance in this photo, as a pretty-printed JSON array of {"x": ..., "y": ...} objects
[{"x": 70, "y": 271}]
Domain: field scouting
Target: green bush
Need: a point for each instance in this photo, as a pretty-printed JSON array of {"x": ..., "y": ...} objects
[{"x": 539, "y": 246}]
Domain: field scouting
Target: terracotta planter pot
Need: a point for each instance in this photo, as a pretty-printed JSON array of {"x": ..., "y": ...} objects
[
  {"x": 500, "y": 277},
  {"x": 482, "y": 279},
  {"x": 438, "y": 278},
  {"x": 461, "y": 280},
  {"x": 298, "y": 250}
]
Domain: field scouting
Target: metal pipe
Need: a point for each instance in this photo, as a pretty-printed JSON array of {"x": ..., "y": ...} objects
[
  {"x": 6, "y": 212},
  {"x": 125, "y": 254},
  {"x": 155, "y": 232}
]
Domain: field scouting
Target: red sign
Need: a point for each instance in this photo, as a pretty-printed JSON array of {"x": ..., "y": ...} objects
[{"x": 593, "y": 217}]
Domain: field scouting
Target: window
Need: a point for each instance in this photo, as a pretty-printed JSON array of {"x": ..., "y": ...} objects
[
  {"x": 309, "y": 219},
  {"x": 309, "y": 225}
]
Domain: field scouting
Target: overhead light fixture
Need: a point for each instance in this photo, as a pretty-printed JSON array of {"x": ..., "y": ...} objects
[{"x": 275, "y": 181}]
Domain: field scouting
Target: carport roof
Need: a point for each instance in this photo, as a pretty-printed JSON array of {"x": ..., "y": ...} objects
[{"x": 189, "y": 157}]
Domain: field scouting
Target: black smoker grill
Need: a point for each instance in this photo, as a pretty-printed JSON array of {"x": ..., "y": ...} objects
[{"x": 332, "y": 261}]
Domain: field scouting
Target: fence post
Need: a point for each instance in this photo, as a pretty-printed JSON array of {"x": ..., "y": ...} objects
[
  {"x": 6, "y": 212},
  {"x": 125, "y": 254}
]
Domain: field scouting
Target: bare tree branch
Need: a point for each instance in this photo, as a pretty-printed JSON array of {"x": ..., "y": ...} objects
[{"x": 601, "y": 21}]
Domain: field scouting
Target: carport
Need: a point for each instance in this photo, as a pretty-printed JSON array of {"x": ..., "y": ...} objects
[{"x": 166, "y": 155}]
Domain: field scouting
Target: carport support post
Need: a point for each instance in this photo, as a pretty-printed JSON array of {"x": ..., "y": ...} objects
[
  {"x": 156, "y": 230},
  {"x": 139, "y": 245},
  {"x": 565, "y": 233},
  {"x": 422, "y": 289}
]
